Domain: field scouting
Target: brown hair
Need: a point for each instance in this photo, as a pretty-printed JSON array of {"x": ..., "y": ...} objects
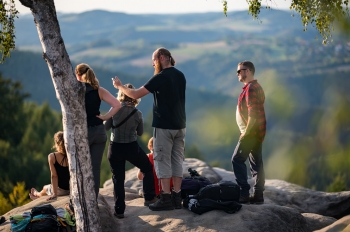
[
  {"x": 87, "y": 74},
  {"x": 122, "y": 97},
  {"x": 150, "y": 144},
  {"x": 249, "y": 65},
  {"x": 165, "y": 52},
  {"x": 59, "y": 143}
]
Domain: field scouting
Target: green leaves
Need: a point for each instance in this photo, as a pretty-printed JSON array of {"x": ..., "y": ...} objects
[
  {"x": 320, "y": 13},
  {"x": 254, "y": 7},
  {"x": 224, "y": 4},
  {"x": 8, "y": 13},
  {"x": 11, "y": 104}
]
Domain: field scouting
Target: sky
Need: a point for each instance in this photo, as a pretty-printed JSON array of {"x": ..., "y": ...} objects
[{"x": 153, "y": 6}]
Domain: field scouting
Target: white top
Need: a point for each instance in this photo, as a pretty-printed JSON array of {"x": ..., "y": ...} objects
[{"x": 241, "y": 124}]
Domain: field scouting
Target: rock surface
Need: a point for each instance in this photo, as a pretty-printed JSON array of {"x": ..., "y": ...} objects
[
  {"x": 287, "y": 207},
  {"x": 107, "y": 218},
  {"x": 335, "y": 205},
  {"x": 315, "y": 221},
  {"x": 342, "y": 224}
]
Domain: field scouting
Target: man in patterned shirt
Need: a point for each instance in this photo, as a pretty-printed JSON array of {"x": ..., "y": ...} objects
[{"x": 250, "y": 117}]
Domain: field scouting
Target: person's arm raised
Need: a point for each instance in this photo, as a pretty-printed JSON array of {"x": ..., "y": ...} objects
[
  {"x": 133, "y": 93},
  {"x": 112, "y": 101}
]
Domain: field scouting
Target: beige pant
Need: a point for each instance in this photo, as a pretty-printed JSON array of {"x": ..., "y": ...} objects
[
  {"x": 60, "y": 192},
  {"x": 168, "y": 152}
]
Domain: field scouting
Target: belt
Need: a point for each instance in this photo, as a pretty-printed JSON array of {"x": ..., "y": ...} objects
[{"x": 94, "y": 125}]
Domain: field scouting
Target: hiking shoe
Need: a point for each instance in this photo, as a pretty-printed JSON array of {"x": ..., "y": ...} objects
[
  {"x": 147, "y": 203},
  {"x": 257, "y": 199},
  {"x": 164, "y": 203},
  {"x": 119, "y": 215},
  {"x": 244, "y": 200},
  {"x": 176, "y": 199}
]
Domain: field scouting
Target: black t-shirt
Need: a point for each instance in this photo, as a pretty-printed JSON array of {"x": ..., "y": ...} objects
[{"x": 168, "y": 88}]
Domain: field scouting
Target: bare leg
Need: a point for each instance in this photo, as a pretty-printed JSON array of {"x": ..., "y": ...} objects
[
  {"x": 165, "y": 185},
  {"x": 38, "y": 194},
  {"x": 177, "y": 183},
  {"x": 34, "y": 194}
]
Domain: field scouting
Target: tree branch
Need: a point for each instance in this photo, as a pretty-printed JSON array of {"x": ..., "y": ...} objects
[{"x": 27, "y": 3}]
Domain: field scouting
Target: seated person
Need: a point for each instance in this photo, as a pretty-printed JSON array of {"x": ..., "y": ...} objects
[
  {"x": 58, "y": 163},
  {"x": 140, "y": 175}
]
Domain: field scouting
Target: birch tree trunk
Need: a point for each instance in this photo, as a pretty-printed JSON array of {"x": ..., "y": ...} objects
[{"x": 71, "y": 95}]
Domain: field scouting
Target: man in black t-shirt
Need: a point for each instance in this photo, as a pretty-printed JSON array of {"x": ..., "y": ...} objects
[{"x": 168, "y": 86}]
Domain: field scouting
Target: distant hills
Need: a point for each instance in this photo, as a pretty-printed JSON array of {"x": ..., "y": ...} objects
[
  {"x": 120, "y": 28},
  {"x": 206, "y": 46}
]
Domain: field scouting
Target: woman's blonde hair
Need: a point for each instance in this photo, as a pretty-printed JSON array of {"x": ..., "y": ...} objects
[
  {"x": 59, "y": 143},
  {"x": 122, "y": 97},
  {"x": 87, "y": 75}
]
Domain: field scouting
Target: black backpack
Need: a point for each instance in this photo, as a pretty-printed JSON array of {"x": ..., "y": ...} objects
[
  {"x": 43, "y": 209},
  {"x": 48, "y": 221},
  {"x": 191, "y": 185},
  {"x": 204, "y": 205},
  {"x": 221, "y": 191}
]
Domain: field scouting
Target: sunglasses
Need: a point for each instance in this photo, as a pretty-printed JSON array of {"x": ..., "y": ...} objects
[{"x": 239, "y": 71}]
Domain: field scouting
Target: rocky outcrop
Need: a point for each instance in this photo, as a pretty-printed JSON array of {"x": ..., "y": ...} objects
[
  {"x": 335, "y": 205},
  {"x": 288, "y": 207},
  {"x": 342, "y": 224},
  {"x": 315, "y": 221},
  {"x": 107, "y": 218}
]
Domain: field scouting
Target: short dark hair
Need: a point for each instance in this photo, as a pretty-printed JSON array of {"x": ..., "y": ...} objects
[{"x": 249, "y": 65}]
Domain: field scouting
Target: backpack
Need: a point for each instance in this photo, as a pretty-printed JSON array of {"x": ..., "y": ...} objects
[
  {"x": 204, "y": 205},
  {"x": 191, "y": 185},
  {"x": 221, "y": 191},
  {"x": 43, "y": 219},
  {"x": 43, "y": 209}
]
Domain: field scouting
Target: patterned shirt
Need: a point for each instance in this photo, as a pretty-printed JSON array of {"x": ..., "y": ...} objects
[{"x": 251, "y": 104}]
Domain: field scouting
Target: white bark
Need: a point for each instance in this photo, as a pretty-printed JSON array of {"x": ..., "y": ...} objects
[{"x": 71, "y": 95}]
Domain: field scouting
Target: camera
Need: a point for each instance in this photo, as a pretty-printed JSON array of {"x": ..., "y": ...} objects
[{"x": 193, "y": 172}]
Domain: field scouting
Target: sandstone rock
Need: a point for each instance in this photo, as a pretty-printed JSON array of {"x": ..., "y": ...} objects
[
  {"x": 342, "y": 224},
  {"x": 108, "y": 221},
  {"x": 287, "y": 207},
  {"x": 201, "y": 167},
  {"x": 305, "y": 200},
  {"x": 316, "y": 222},
  {"x": 225, "y": 175},
  {"x": 249, "y": 218}
]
